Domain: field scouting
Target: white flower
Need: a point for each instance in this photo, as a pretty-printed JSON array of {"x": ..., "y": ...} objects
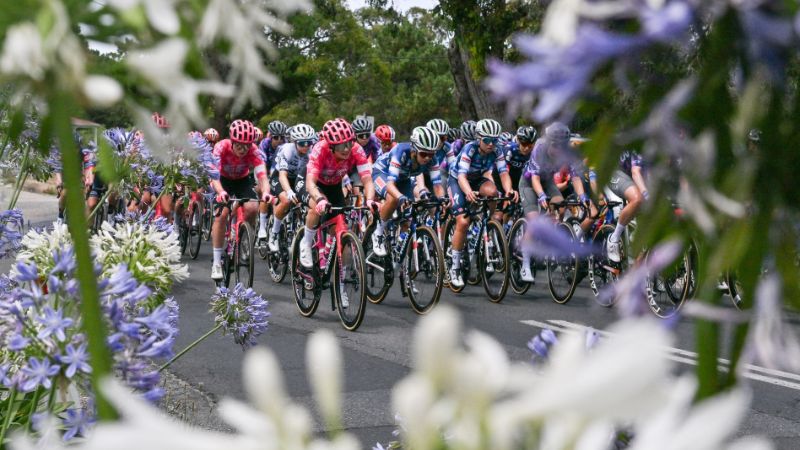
[
  {"x": 435, "y": 344},
  {"x": 324, "y": 366},
  {"x": 23, "y": 53},
  {"x": 160, "y": 13},
  {"x": 101, "y": 90},
  {"x": 772, "y": 342},
  {"x": 38, "y": 247}
]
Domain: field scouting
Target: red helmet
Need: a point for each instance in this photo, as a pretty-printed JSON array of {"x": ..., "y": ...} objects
[
  {"x": 337, "y": 131},
  {"x": 160, "y": 121},
  {"x": 385, "y": 134},
  {"x": 211, "y": 135},
  {"x": 259, "y": 134},
  {"x": 242, "y": 131}
]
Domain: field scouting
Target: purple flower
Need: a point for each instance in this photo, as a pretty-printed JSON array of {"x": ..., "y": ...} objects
[
  {"x": 18, "y": 342},
  {"x": 75, "y": 359},
  {"x": 544, "y": 239},
  {"x": 26, "y": 272},
  {"x": 241, "y": 312},
  {"x": 76, "y": 422},
  {"x": 38, "y": 373},
  {"x": 64, "y": 259},
  {"x": 54, "y": 324},
  {"x": 541, "y": 343},
  {"x": 10, "y": 232},
  {"x": 158, "y": 321}
]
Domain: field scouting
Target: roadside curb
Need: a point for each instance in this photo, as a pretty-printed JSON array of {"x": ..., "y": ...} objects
[{"x": 190, "y": 404}]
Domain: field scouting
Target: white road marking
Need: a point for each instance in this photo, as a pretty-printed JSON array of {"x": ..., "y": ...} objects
[{"x": 753, "y": 372}]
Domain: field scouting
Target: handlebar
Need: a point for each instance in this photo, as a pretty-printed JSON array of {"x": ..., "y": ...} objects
[{"x": 218, "y": 207}]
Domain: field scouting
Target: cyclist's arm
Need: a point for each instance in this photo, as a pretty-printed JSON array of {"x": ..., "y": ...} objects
[
  {"x": 536, "y": 182},
  {"x": 638, "y": 179},
  {"x": 311, "y": 187},
  {"x": 505, "y": 179},
  {"x": 577, "y": 184},
  {"x": 284, "y": 180}
]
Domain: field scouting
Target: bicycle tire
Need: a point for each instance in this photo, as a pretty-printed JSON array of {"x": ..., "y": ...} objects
[
  {"x": 377, "y": 283},
  {"x": 208, "y": 223},
  {"x": 263, "y": 248},
  {"x": 601, "y": 272},
  {"x": 666, "y": 294},
  {"x": 497, "y": 236},
  {"x": 195, "y": 232},
  {"x": 734, "y": 289},
  {"x": 307, "y": 308},
  {"x": 244, "y": 255},
  {"x": 564, "y": 267},
  {"x": 436, "y": 268},
  {"x": 278, "y": 262},
  {"x": 515, "y": 236},
  {"x": 349, "y": 241},
  {"x": 179, "y": 222},
  {"x": 449, "y": 229},
  {"x": 226, "y": 271}
]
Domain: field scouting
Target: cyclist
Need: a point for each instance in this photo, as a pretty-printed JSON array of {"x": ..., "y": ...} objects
[
  {"x": 517, "y": 152},
  {"x": 86, "y": 158},
  {"x": 467, "y": 135},
  {"x": 537, "y": 186},
  {"x": 333, "y": 157},
  {"x": 211, "y": 135},
  {"x": 453, "y": 134},
  {"x": 394, "y": 172},
  {"x": 386, "y": 136},
  {"x": 626, "y": 182},
  {"x": 236, "y": 157},
  {"x": 291, "y": 160},
  {"x": 471, "y": 174},
  {"x": 372, "y": 148},
  {"x": 444, "y": 153},
  {"x": 276, "y": 132}
]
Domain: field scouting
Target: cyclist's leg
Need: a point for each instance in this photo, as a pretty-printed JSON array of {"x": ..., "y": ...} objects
[
  {"x": 458, "y": 210},
  {"x": 623, "y": 186}
]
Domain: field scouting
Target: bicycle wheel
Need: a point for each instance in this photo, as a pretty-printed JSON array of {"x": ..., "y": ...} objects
[
  {"x": 99, "y": 218},
  {"x": 195, "y": 231},
  {"x": 227, "y": 268},
  {"x": 243, "y": 255},
  {"x": 306, "y": 292},
  {"x": 562, "y": 271},
  {"x": 379, "y": 271},
  {"x": 602, "y": 273},
  {"x": 180, "y": 223},
  {"x": 493, "y": 262},
  {"x": 423, "y": 271},
  {"x": 447, "y": 247},
  {"x": 277, "y": 262},
  {"x": 263, "y": 248},
  {"x": 208, "y": 222},
  {"x": 666, "y": 291},
  {"x": 516, "y": 235},
  {"x": 348, "y": 281}
]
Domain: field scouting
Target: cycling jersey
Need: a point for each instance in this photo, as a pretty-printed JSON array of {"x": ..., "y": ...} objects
[
  {"x": 472, "y": 163},
  {"x": 329, "y": 170},
  {"x": 227, "y": 165},
  {"x": 516, "y": 162},
  {"x": 446, "y": 155},
  {"x": 290, "y": 160},
  {"x": 372, "y": 148},
  {"x": 544, "y": 164},
  {"x": 267, "y": 152},
  {"x": 457, "y": 145},
  {"x": 398, "y": 165},
  {"x": 628, "y": 160}
]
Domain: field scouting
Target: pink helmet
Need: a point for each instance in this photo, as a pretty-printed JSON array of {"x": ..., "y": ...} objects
[
  {"x": 242, "y": 131},
  {"x": 160, "y": 121},
  {"x": 211, "y": 135},
  {"x": 337, "y": 131}
]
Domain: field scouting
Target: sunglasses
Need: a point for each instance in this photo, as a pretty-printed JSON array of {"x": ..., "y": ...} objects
[
  {"x": 425, "y": 154},
  {"x": 489, "y": 140},
  {"x": 341, "y": 148},
  {"x": 302, "y": 143},
  {"x": 363, "y": 136},
  {"x": 277, "y": 137}
]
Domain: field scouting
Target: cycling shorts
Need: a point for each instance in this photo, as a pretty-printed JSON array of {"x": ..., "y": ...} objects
[
  {"x": 620, "y": 182},
  {"x": 241, "y": 188},
  {"x": 458, "y": 198},
  {"x": 333, "y": 192},
  {"x": 379, "y": 179},
  {"x": 98, "y": 187}
]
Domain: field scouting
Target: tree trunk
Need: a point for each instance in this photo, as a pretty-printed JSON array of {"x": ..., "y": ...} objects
[{"x": 473, "y": 100}]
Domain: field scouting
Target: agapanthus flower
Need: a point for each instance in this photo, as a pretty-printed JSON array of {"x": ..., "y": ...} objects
[
  {"x": 545, "y": 239},
  {"x": 11, "y": 223},
  {"x": 75, "y": 359},
  {"x": 54, "y": 324},
  {"x": 241, "y": 312},
  {"x": 38, "y": 372},
  {"x": 76, "y": 422}
]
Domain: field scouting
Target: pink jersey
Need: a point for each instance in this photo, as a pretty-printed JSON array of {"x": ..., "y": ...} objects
[
  {"x": 329, "y": 170},
  {"x": 232, "y": 167}
]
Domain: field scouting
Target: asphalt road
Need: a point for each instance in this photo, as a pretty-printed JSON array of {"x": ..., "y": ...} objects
[{"x": 377, "y": 355}]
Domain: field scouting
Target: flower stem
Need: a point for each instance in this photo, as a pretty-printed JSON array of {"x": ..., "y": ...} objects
[
  {"x": 190, "y": 346},
  {"x": 12, "y": 398},
  {"x": 91, "y": 313},
  {"x": 34, "y": 406},
  {"x": 21, "y": 177},
  {"x": 100, "y": 203}
]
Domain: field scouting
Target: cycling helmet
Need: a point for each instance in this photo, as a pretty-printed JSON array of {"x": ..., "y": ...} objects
[
  {"x": 259, "y": 134},
  {"x": 557, "y": 134},
  {"x": 361, "y": 125},
  {"x": 506, "y": 137},
  {"x": 425, "y": 139},
  {"x": 439, "y": 126},
  {"x": 454, "y": 133},
  {"x": 526, "y": 134},
  {"x": 277, "y": 128},
  {"x": 160, "y": 121},
  {"x": 194, "y": 135},
  {"x": 488, "y": 128},
  {"x": 754, "y": 135},
  {"x": 211, "y": 135},
  {"x": 385, "y": 133},
  {"x": 468, "y": 130},
  {"x": 337, "y": 131},
  {"x": 302, "y": 132},
  {"x": 242, "y": 131}
]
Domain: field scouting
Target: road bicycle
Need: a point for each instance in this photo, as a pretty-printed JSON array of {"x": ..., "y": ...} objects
[
  {"x": 278, "y": 262},
  {"x": 565, "y": 270},
  {"x": 485, "y": 258},
  {"x": 339, "y": 266},
  {"x": 415, "y": 249},
  {"x": 238, "y": 256}
]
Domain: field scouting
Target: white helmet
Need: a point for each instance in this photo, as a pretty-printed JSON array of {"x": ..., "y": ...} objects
[
  {"x": 302, "y": 132},
  {"x": 425, "y": 139},
  {"x": 439, "y": 126},
  {"x": 488, "y": 128}
]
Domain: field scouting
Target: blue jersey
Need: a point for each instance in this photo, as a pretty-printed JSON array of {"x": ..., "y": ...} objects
[
  {"x": 472, "y": 163},
  {"x": 516, "y": 161},
  {"x": 628, "y": 160},
  {"x": 267, "y": 152},
  {"x": 446, "y": 155},
  {"x": 398, "y": 165}
]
